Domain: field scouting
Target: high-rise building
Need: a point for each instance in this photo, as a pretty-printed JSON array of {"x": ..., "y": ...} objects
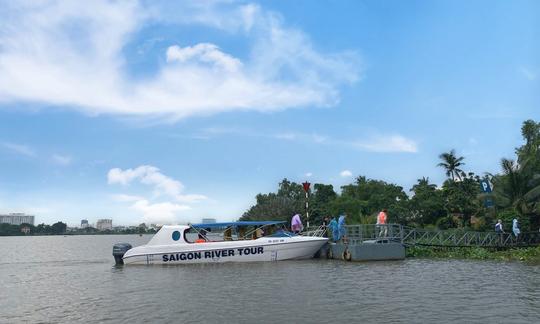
[
  {"x": 84, "y": 223},
  {"x": 104, "y": 224},
  {"x": 17, "y": 219}
]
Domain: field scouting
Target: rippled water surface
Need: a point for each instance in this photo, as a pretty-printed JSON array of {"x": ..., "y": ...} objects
[{"x": 73, "y": 279}]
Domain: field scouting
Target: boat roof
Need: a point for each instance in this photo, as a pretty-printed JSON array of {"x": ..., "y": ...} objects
[{"x": 242, "y": 223}]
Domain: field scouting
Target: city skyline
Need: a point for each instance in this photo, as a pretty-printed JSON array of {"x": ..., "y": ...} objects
[{"x": 170, "y": 113}]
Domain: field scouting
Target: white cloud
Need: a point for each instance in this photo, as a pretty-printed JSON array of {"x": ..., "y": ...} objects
[
  {"x": 61, "y": 159},
  {"x": 286, "y": 136},
  {"x": 162, "y": 212},
  {"x": 528, "y": 73},
  {"x": 373, "y": 143},
  {"x": 392, "y": 143},
  {"x": 126, "y": 198},
  {"x": 308, "y": 175},
  {"x": 19, "y": 149},
  {"x": 158, "y": 213},
  {"x": 70, "y": 54},
  {"x": 345, "y": 174},
  {"x": 150, "y": 175},
  {"x": 204, "y": 52}
]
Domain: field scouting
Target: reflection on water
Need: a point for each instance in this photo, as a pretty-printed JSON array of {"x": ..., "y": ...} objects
[{"x": 73, "y": 278}]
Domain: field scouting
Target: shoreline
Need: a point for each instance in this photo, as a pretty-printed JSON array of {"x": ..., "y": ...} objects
[{"x": 526, "y": 254}]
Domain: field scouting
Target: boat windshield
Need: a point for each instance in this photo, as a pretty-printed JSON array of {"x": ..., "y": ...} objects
[{"x": 235, "y": 231}]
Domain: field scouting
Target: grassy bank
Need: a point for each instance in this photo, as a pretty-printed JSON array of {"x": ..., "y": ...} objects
[{"x": 531, "y": 254}]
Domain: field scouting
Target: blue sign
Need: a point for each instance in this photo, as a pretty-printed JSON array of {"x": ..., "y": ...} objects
[
  {"x": 485, "y": 186},
  {"x": 488, "y": 202}
]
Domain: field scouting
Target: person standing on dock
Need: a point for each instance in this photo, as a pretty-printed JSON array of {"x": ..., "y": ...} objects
[
  {"x": 381, "y": 223},
  {"x": 296, "y": 224},
  {"x": 515, "y": 228},
  {"x": 333, "y": 225},
  {"x": 499, "y": 230},
  {"x": 341, "y": 226}
]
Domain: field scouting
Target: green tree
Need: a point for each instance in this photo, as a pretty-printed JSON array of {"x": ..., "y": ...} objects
[
  {"x": 9, "y": 230},
  {"x": 451, "y": 163},
  {"x": 366, "y": 197},
  {"x": 43, "y": 229},
  {"x": 518, "y": 188},
  {"x": 531, "y": 134},
  {"x": 320, "y": 202},
  {"x": 58, "y": 228},
  {"x": 462, "y": 198},
  {"x": 289, "y": 200},
  {"x": 427, "y": 204}
]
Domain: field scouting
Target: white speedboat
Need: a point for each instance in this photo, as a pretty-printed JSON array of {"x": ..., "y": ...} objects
[{"x": 220, "y": 242}]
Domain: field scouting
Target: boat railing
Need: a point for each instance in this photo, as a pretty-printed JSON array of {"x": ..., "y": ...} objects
[{"x": 315, "y": 231}]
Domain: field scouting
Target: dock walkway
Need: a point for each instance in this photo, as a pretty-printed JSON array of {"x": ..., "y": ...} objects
[{"x": 410, "y": 236}]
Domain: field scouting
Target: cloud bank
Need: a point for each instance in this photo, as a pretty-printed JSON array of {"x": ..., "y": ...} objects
[
  {"x": 72, "y": 55},
  {"x": 20, "y": 149},
  {"x": 161, "y": 212},
  {"x": 379, "y": 143},
  {"x": 383, "y": 143}
]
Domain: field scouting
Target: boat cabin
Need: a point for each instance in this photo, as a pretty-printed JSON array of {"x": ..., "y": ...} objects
[{"x": 219, "y": 232}]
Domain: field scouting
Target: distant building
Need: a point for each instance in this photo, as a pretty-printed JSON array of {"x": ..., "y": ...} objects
[
  {"x": 25, "y": 230},
  {"x": 104, "y": 224},
  {"x": 17, "y": 219},
  {"x": 208, "y": 220},
  {"x": 84, "y": 223}
]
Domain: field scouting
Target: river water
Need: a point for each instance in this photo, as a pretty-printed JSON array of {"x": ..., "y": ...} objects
[{"x": 66, "y": 279}]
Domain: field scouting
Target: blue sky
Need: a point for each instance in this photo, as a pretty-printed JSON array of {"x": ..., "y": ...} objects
[{"x": 163, "y": 113}]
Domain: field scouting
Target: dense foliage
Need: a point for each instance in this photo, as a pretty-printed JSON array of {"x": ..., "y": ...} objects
[
  {"x": 42, "y": 229},
  {"x": 61, "y": 228},
  {"x": 529, "y": 255},
  {"x": 458, "y": 203}
]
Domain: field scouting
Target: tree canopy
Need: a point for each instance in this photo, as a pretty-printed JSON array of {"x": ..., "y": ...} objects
[{"x": 458, "y": 202}]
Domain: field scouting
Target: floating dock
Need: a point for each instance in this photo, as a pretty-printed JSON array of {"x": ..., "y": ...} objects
[{"x": 376, "y": 251}]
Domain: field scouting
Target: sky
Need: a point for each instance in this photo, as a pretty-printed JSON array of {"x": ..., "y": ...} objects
[{"x": 162, "y": 112}]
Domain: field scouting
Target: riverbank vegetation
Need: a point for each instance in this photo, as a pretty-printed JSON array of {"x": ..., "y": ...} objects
[
  {"x": 60, "y": 228},
  {"x": 465, "y": 199},
  {"x": 529, "y": 254}
]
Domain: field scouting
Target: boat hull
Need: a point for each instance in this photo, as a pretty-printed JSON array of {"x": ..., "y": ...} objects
[{"x": 263, "y": 249}]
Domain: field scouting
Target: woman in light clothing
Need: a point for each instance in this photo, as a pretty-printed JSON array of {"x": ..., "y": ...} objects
[
  {"x": 515, "y": 228},
  {"x": 296, "y": 224}
]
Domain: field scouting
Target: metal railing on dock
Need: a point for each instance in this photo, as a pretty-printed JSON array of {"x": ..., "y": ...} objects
[{"x": 372, "y": 233}]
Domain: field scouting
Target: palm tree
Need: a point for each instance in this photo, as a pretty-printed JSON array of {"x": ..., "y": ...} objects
[
  {"x": 423, "y": 183},
  {"x": 451, "y": 163},
  {"x": 518, "y": 187}
]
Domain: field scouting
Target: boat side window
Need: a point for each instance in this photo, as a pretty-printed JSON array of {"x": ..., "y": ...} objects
[{"x": 193, "y": 236}]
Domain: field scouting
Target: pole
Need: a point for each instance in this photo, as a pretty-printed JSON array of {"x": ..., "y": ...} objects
[
  {"x": 306, "y": 185},
  {"x": 307, "y": 209}
]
